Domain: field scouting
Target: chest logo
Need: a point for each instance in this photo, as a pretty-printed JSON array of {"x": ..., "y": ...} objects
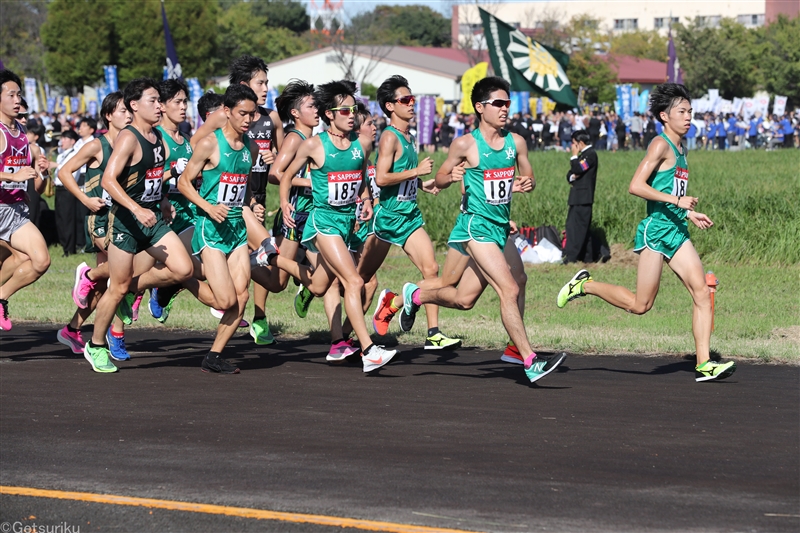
[
  {"x": 356, "y": 153},
  {"x": 510, "y": 153},
  {"x": 246, "y": 157},
  {"x": 158, "y": 154},
  {"x": 228, "y": 154}
]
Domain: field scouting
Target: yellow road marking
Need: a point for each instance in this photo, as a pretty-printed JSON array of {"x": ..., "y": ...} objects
[{"x": 242, "y": 512}]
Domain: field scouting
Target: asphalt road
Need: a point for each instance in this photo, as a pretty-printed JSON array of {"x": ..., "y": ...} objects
[{"x": 451, "y": 440}]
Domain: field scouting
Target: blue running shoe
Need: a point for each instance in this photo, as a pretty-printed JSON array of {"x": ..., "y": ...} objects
[
  {"x": 409, "y": 312},
  {"x": 156, "y": 311},
  {"x": 116, "y": 347}
]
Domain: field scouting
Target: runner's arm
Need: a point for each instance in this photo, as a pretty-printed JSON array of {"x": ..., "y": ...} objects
[
  {"x": 525, "y": 181},
  {"x": 124, "y": 148},
  {"x": 304, "y": 154},
  {"x": 278, "y": 135},
  {"x": 388, "y": 146},
  {"x": 452, "y": 169},
  {"x": 657, "y": 153},
  {"x": 87, "y": 152},
  {"x": 200, "y": 157},
  {"x": 215, "y": 121}
]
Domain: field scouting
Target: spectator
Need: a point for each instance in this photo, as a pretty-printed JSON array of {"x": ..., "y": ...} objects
[
  {"x": 66, "y": 203},
  {"x": 582, "y": 177},
  {"x": 637, "y": 127}
]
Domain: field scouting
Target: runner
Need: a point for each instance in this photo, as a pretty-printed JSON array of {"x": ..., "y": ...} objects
[
  {"x": 135, "y": 221},
  {"x": 661, "y": 179},
  {"x": 90, "y": 283},
  {"x": 485, "y": 161},
  {"x": 226, "y": 160},
  {"x": 398, "y": 219},
  {"x": 338, "y": 162},
  {"x": 15, "y": 171}
]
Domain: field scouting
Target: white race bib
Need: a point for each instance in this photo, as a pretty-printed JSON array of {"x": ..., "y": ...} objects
[
  {"x": 343, "y": 187},
  {"x": 264, "y": 145},
  {"x": 497, "y": 184},
  {"x": 680, "y": 182},
  {"x": 12, "y": 165},
  {"x": 408, "y": 190},
  {"x": 153, "y": 180},
  {"x": 231, "y": 190},
  {"x": 107, "y": 198},
  {"x": 376, "y": 191}
]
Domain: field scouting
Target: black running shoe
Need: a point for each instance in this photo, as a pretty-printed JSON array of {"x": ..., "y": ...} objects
[{"x": 215, "y": 363}]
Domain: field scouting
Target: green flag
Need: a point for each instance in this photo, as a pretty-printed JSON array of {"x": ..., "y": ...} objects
[{"x": 526, "y": 64}]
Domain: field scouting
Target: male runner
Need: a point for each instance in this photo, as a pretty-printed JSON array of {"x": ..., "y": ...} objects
[
  {"x": 338, "y": 162},
  {"x": 226, "y": 160},
  {"x": 134, "y": 178},
  {"x": 485, "y": 161},
  {"x": 661, "y": 179},
  {"x": 398, "y": 219},
  {"x": 15, "y": 171}
]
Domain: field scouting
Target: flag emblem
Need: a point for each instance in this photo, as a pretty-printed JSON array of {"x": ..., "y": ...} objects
[{"x": 536, "y": 63}]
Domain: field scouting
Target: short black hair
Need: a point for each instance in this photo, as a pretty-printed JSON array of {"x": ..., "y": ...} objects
[
  {"x": 244, "y": 69},
  {"x": 361, "y": 115},
  {"x": 387, "y": 90},
  {"x": 485, "y": 87},
  {"x": 110, "y": 103},
  {"x": 37, "y": 128},
  {"x": 292, "y": 97},
  {"x": 89, "y": 121},
  {"x": 331, "y": 94},
  {"x": 6, "y": 76},
  {"x": 236, "y": 93},
  {"x": 665, "y": 97},
  {"x": 581, "y": 136},
  {"x": 136, "y": 88},
  {"x": 168, "y": 89},
  {"x": 208, "y": 103},
  {"x": 70, "y": 134},
  {"x": 23, "y": 102}
]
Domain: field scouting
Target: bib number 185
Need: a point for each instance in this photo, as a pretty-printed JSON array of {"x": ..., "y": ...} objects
[{"x": 343, "y": 187}]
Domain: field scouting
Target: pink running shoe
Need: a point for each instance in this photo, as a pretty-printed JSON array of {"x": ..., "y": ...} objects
[
  {"x": 216, "y": 313},
  {"x": 83, "y": 286},
  {"x": 5, "y": 323},
  {"x": 341, "y": 350},
  {"x": 73, "y": 340},
  {"x": 135, "y": 307}
]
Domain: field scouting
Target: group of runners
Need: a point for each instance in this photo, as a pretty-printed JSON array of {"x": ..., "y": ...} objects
[{"x": 171, "y": 213}]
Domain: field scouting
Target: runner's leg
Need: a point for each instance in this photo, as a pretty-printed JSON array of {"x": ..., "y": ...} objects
[{"x": 687, "y": 266}]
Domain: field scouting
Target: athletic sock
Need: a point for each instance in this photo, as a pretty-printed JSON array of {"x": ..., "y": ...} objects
[
  {"x": 4, "y": 302},
  {"x": 415, "y": 297},
  {"x": 529, "y": 360},
  {"x": 394, "y": 306},
  {"x": 72, "y": 330},
  {"x": 369, "y": 349},
  {"x": 213, "y": 355},
  {"x": 86, "y": 275},
  {"x": 337, "y": 341},
  {"x": 117, "y": 334},
  {"x": 93, "y": 345},
  {"x": 432, "y": 331}
]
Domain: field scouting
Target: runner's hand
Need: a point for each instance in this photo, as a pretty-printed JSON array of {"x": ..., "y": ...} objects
[
  {"x": 258, "y": 211},
  {"x": 180, "y": 166},
  {"x": 366, "y": 210},
  {"x": 94, "y": 204},
  {"x": 458, "y": 172},
  {"x": 686, "y": 202},
  {"x": 267, "y": 156},
  {"x": 145, "y": 217},
  {"x": 167, "y": 211},
  {"x": 218, "y": 213},
  {"x": 425, "y": 167},
  {"x": 42, "y": 164},
  {"x": 288, "y": 217},
  {"x": 24, "y": 174},
  {"x": 513, "y": 229},
  {"x": 430, "y": 187},
  {"x": 700, "y": 220},
  {"x": 522, "y": 184}
]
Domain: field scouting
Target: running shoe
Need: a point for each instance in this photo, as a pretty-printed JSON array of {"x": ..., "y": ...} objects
[
  {"x": 125, "y": 308},
  {"x": 155, "y": 309},
  {"x": 341, "y": 350},
  {"x": 512, "y": 355},
  {"x": 375, "y": 357},
  {"x": 440, "y": 341},
  {"x": 260, "y": 332},
  {"x": 263, "y": 255},
  {"x": 98, "y": 358},
  {"x": 116, "y": 347},
  {"x": 5, "y": 323},
  {"x": 73, "y": 340},
  {"x": 409, "y": 312},
  {"x": 302, "y": 301},
  {"x": 711, "y": 370},
  {"x": 166, "y": 308},
  {"x": 540, "y": 367},
  {"x": 552, "y": 361},
  {"x": 215, "y": 363},
  {"x": 216, "y": 313},
  {"x": 136, "y": 303},
  {"x": 383, "y": 312},
  {"x": 574, "y": 288},
  {"x": 82, "y": 286}
]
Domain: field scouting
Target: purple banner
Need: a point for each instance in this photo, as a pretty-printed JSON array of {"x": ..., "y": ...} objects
[{"x": 425, "y": 119}]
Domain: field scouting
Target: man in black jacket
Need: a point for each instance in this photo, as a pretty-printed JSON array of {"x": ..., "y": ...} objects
[{"x": 582, "y": 177}]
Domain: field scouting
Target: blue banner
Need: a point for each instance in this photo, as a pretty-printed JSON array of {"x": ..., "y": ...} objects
[
  {"x": 173, "y": 69},
  {"x": 624, "y": 96},
  {"x": 195, "y": 92},
  {"x": 425, "y": 120},
  {"x": 102, "y": 92},
  {"x": 75, "y": 104},
  {"x": 644, "y": 99},
  {"x": 272, "y": 94},
  {"x": 51, "y": 105},
  {"x": 92, "y": 108},
  {"x": 110, "y": 72},
  {"x": 515, "y": 103}
]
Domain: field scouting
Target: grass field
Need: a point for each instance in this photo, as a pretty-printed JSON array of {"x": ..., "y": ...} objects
[{"x": 753, "y": 249}]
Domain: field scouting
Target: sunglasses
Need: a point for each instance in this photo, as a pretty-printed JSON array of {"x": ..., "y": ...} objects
[
  {"x": 22, "y": 115},
  {"x": 408, "y": 99},
  {"x": 345, "y": 111},
  {"x": 497, "y": 102}
]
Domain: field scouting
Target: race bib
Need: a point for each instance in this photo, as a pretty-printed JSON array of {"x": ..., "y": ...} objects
[
  {"x": 497, "y": 184},
  {"x": 408, "y": 190},
  {"x": 359, "y": 208},
  {"x": 173, "y": 181},
  {"x": 680, "y": 182},
  {"x": 107, "y": 198},
  {"x": 153, "y": 180},
  {"x": 343, "y": 187},
  {"x": 264, "y": 145},
  {"x": 231, "y": 190},
  {"x": 307, "y": 191},
  {"x": 12, "y": 165},
  {"x": 371, "y": 172}
]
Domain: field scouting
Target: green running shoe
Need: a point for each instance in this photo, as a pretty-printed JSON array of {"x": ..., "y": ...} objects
[
  {"x": 302, "y": 301},
  {"x": 440, "y": 341},
  {"x": 98, "y": 358},
  {"x": 573, "y": 289},
  {"x": 541, "y": 367},
  {"x": 711, "y": 370},
  {"x": 165, "y": 310},
  {"x": 260, "y": 332},
  {"x": 125, "y": 308}
]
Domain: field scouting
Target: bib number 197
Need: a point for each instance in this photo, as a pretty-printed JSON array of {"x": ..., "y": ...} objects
[
  {"x": 497, "y": 184},
  {"x": 232, "y": 188}
]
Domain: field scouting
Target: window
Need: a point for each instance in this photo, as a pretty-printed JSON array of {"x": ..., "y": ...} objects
[
  {"x": 658, "y": 22},
  {"x": 709, "y": 22},
  {"x": 626, "y": 24},
  {"x": 750, "y": 20}
]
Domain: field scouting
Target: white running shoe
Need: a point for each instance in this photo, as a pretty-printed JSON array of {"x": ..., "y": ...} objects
[{"x": 376, "y": 357}]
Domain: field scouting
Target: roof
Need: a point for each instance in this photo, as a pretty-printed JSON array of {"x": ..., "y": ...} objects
[{"x": 635, "y": 70}]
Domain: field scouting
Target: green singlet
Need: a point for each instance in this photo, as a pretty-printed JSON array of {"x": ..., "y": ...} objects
[
  {"x": 184, "y": 210},
  {"x": 96, "y": 224}
]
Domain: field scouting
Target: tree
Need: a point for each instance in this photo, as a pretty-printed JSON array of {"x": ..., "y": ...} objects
[
  {"x": 721, "y": 58},
  {"x": 413, "y": 25},
  {"x": 284, "y": 14},
  {"x": 778, "y": 48},
  {"x": 21, "y": 45},
  {"x": 589, "y": 63},
  {"x": 641, "y": 44}
]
